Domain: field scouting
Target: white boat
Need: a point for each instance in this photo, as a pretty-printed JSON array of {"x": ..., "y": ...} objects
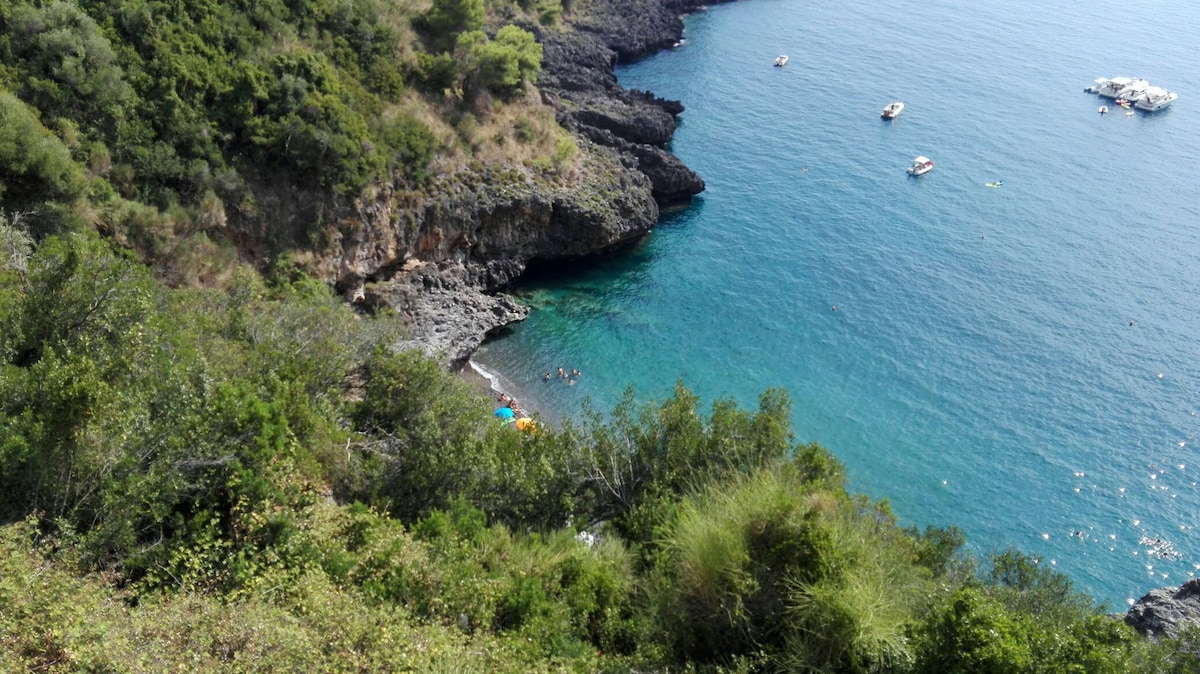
[
  {"x": 892, "y": 110},
  {"x": 1155, "y": 98},
  {"x": 1116, "y": 87},
  {"x": 920, "y": 166},
  {"x": 1134, "y": 90},
  {"x": 781, "y": 60}
]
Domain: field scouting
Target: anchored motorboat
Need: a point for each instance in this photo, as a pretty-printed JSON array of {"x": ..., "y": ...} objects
[
  {"x": 1117, "y": 87},
  {"x": 920, "y": 166},
  {"x": 781, "y": 60},
  {"x": 892, "y": 110},
  {"x": 1154, "y": 99}
]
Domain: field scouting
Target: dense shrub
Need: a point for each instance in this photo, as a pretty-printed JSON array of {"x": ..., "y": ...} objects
[
  {"x": 35, "y": 166},
  {"x": 184, "y": 443}
]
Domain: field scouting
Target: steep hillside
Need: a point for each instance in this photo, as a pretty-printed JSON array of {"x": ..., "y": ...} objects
[{"x": 357, "y": 139}]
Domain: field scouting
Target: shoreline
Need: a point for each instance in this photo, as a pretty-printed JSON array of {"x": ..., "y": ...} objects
[
  {"x": 471, "y": 374},
  {"x": 492, "y": 385},
  {"x": 587, "y": 60}
]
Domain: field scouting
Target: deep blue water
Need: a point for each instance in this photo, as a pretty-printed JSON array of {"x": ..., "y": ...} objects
[{"x": 980, "y": 368}]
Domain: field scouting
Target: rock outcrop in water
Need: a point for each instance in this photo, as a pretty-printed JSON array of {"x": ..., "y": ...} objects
[
  {"x": 442, "y": 256},
  {"x": 1167, "y": 612}
]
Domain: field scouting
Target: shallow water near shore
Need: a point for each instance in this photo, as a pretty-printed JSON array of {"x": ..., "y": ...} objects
[{"x": 1020, "y": 361}]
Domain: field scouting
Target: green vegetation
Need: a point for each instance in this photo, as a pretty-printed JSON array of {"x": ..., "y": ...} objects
[
  {"x": 210, "y": 468},
  {"x": 248, "y": 479},
  {"x": 116, "y": 113}
]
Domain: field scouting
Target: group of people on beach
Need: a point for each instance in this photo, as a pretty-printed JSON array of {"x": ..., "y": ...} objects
[
  {"x": 563, "y": 374},
  {"x": 510, "y": 412},
  {"x": 510, "y": 402}
]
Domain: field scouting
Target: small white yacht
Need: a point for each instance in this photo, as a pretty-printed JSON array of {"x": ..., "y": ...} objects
[
  {"x": 892, "y": 110},
  {"x": 781, "y": 60},
  {"x": 920, "y": 166},
  {"x": 1154, "y": 99}
]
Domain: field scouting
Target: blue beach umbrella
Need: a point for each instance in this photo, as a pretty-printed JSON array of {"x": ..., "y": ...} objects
[{"x": 504, "y": 413}]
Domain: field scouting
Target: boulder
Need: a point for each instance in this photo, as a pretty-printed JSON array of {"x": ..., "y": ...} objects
[{"x": 1167, "y": 611}]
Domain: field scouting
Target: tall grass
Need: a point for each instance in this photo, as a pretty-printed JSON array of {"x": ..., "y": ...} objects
[
  {"x": 730, "y": 554},
  {"x": 771, "y": 566},
  {"x": 857, "y": 618}
]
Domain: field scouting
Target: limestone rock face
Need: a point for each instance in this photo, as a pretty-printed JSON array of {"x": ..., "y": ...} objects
[
  {"x": 577, "y": 79},
  {"x": 1167, "y": 611},
  {"x": 450, "y": 311},
  {"x": 441, "y": 256}
]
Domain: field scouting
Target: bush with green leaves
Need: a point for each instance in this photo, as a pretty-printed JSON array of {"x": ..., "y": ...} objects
[
  {"x": 1020, "y": 616},
  {"x": 502, "y": 64},
  {"x": 74, "y": 332},
  {"x": 639, "y": 460},
  {"x": 68, "y": 67},
  {"x": 447, "y": 19},
  {"x": 428, "y": 437},
  {"x": 411, "y": 145},
  {"x": 35, "y": 166}
]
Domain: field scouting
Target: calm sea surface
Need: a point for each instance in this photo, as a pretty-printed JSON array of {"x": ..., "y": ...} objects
[{"x": 981, "y": 368}]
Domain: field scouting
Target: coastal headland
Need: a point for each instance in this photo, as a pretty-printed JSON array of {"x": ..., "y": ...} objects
[{"x": 442, "y": 257}]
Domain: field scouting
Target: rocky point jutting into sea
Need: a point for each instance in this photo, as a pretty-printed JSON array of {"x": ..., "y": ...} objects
[{"x": 442, "y": 256}]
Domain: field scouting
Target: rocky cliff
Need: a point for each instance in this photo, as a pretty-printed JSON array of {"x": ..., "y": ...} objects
[
  {"x": 1168, "y": 611},
  {"x": 442, "y": 255}
]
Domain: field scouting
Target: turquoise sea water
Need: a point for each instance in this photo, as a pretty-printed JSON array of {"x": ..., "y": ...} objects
[{"x": 980, "y": 368}]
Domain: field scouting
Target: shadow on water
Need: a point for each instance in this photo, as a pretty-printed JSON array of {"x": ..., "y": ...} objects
[{"x": 623, "y": 266}]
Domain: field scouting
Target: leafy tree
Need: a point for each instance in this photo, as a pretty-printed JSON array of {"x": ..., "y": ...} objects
[
  {"x": 1025, "y": 585},
  {"x": 74, "y": 326},
  {"x": 937, "y": 549},
  {"x": 68, "y": 67},
  {"x": 304, "y": 123},
  {"x": 974, "y": 634},
  {"x": 35, "y": 166},
  {"x": 422, "y": 449},
  {"x": 411, "y": 144},
  {"x": 437, "y": 72},
  {"x": 638, "y": 461},
  {"x": 448, "y": 18},
  {"x": 502, "y": 65}
]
